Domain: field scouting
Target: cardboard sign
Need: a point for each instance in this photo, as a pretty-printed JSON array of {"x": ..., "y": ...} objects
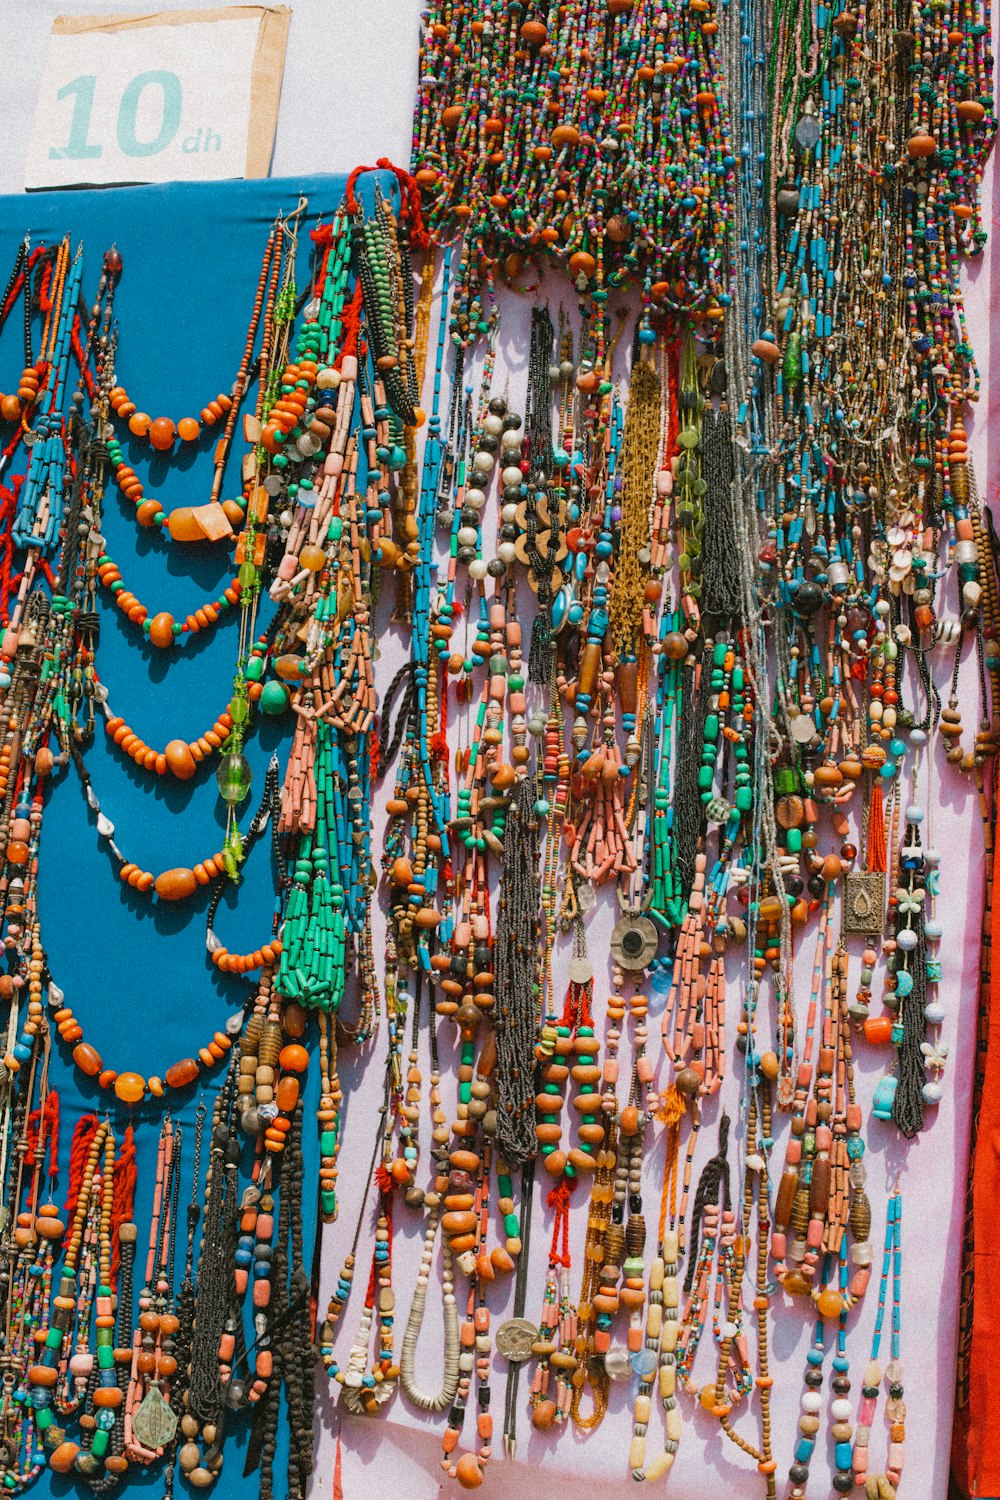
[{"x": 178, "y": 96}]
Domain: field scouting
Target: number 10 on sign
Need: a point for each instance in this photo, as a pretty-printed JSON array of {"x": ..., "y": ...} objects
[{"x": 80, "y": 147}]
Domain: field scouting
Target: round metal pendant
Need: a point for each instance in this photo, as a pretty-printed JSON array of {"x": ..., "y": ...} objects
[
  {"x": 581, "y": 971},
  {"x": 515, "y": 1338},
  {"x": 634, "y": 942}
]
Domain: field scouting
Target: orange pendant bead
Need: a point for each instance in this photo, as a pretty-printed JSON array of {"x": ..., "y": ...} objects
[
  {"x": 161, "y": 630},
  {"x": 176, "y": 884},
  {"x": 181, "y": 1073},
  {"x": 130, "y": 1087}
]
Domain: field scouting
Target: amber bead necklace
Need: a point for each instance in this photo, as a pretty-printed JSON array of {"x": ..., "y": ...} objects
[
  {"x": 159, "y": 628},
  {"x": 179, "y": 758},
  {"x": 128, "y": 1086},
  {"x": 216, "y": 520},
  {"x": 268, "y": 954},
  {"x": 175, "y": 884}
]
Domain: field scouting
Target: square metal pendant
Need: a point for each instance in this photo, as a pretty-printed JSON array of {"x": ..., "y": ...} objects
[{"x": 864, "y": 902}]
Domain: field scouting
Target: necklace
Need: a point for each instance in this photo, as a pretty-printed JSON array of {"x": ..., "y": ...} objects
[
  {"x": 215, "y": 520},
  {"x": 896, "y": 1410}
]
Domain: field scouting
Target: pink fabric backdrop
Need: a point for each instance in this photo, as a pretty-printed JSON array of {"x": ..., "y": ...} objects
[{"x": 400, "y": 1449}]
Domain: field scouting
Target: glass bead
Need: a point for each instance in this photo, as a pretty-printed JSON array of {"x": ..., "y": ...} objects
[{"x": 234, "y": 777}]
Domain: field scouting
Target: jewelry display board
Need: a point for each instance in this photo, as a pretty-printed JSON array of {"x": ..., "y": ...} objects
[
  {"x": 136, "y": 974},
  {"x": 146, "y": 994}
]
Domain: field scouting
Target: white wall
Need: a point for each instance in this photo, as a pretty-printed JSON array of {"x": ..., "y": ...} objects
[{"x": 347, "y": 95}]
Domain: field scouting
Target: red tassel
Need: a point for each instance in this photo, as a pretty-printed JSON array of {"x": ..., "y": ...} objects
[
  {"x": 86, "y": 1129},
  {"x": 558, "y": 1199},
  {"x": 876, "y": 829},
  {"x": 31, "y": 1133}
]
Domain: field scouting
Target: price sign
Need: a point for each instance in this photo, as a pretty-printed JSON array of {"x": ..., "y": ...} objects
[{"x": 184, "y": 95}]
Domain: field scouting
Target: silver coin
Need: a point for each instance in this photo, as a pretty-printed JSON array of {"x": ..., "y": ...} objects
[
  {"x": 515, "y": 1338},
  {"x": 581, "y": 971}
]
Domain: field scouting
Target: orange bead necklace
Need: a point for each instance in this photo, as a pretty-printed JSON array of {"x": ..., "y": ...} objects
[
  {"x": 215, "y": 521},
  {"x": 34, "y": 376},
  {"x": 179, "y": 757},
  {"x": 175, "y": 884},
  {"x": 128, "y": 1086},
  {"x": 160, "y": 628}
]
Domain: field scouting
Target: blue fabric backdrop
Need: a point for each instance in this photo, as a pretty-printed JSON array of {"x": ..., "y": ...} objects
[{"x": 136, "y": 973}]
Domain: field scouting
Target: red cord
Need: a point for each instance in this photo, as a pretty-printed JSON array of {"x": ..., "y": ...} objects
[
  {"x": 410, "y": 205},
  {"x": 76, "y": 342},
  {"x": 338, "y": 1474},
  {"x": 123, "y": 1195},
  {"x": 322, "y": 237},
  {"x": 8, "y": 508},
  {"x": 558, "y": 1198},
  {"x": 351, "y": 327}
]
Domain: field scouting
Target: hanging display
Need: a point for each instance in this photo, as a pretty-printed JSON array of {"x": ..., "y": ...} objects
[{"x": 606, "y": 684}]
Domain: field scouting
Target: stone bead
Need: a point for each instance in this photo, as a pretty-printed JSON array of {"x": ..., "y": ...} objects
[
  {"x": 62, "y": 1459},
  {"x": 179, "y": 758},
  {"x": 181, "y": 1073},
  {"x": 129, "y": 1088},
  {"x": 293, "y": 1058},
  {"x": 176, "y": 884},
  {"x": 162, "y": 433},
  {"x": 161, "y": 630},
  {"x": 87, "y": 1059}
]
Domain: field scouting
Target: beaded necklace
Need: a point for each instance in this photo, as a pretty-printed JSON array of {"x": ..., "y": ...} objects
[{"x": 896, "y": 1410}]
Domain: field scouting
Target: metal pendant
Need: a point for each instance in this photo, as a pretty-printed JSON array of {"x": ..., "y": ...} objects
[
  {"x": 514, "y": 1339},
  {"x": 864, "y": 902},
  {"x": 634, "y": 941},
  {"x": 154, "y": 1424}
]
